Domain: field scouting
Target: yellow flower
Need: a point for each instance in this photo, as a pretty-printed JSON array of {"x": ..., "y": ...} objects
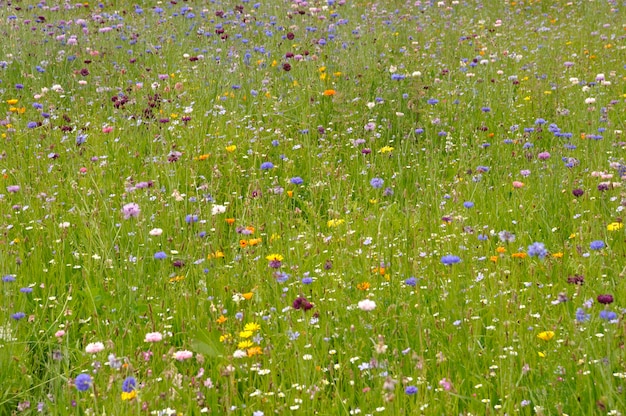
[
  {"x": 542, "y": 354},
  {"x": 245, "y": 344},
  {"x": 177, "y": 279},
  {"x": 247, "y": 296},
  {"x": 546, "y": 335},
  {"x": 255, "y": 241},
  {"x": 12, "y": 101},
  {"x": 335, "y": 223},
  {"x": 225, "y": 338},
  {"x": 252, "y": 327},
  {"x": 558, "y": 255},
  {"x": 245, "y": 334},
  {"x": 614, "y": 226},
  {"x": 130, "y": 395},
  {"x": 386, "y": 149},
  {"x": 231, "y": 148},
  {"x": 274, "y": 257}
]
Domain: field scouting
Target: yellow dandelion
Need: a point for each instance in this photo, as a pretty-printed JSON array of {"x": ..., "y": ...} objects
[
  {"x": 12, "y": 101},
  {"x": 546, "y": 335},
  {"x": 614, "y": 226},
  {"x": 274, "y": 257},
  {"x": 245, "y": 344},
  {"x": 245, "y": 334},
  {"x": 252, "y": 327},
  {"x": 231, "y": 148},
  {"x": 335, "y": 223},
  {"x": 386, "y": 149}
]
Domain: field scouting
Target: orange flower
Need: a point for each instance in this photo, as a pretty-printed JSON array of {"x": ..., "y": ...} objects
[
  {"x": 557, "y": 255},
  {"x": 221, "y": 319},
  {"x": 501, "y": 250},
  {"x": 247, "y": 296},
  {"x": 254, "y": 241},
  {"x": 329, "y": 93},
  {"x": 290, "y": 194},
  {"x": 363, "y": 286},
  {"x": 519, "y": 255},
  {"x": 204, "y": 156},
  {"x": 254, "y": 351},
  {"x": 230, "y": 221},
  {"x": 243, "y": 243},
  {"x": 494, "y": 259},
  {"x": 250, "y": 228}
]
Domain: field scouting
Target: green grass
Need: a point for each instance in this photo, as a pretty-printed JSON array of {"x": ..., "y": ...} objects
[{"x": 180, "y": 111}]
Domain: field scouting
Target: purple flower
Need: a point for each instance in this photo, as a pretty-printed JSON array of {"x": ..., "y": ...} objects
[
  {"x": 189, "y": 218},
  {"x": 537, "y": 250},
  {"x": 411, "y": 281},
  {"x": 410, "y": 390},
  {"x": 605, "y": 299},
  {"x": 17, "y": 316},
  {"x": 8, "y": 278},
  {"x": 449, "y": 260},
  {"x": 307, "y": 280},
  {"x": 160, "y": 255},
  {"x": 131, "y": 210},
  {"x": 267, "y": 165},
  {"x": 82, "y": 382},
  {"x": 377, "y": 183},
  {"x": 13, "y": 188},
  {"x": 543, "y": 156},
  {"x": 578, "y": 192},
  {"x": 608, "y": 315},
  {"x": 581, "y": 316},
  {"x": 596, "y": 245},
  {"x": 468, "y": 204},
  {"x": 296, "y": 180},
  {"x": 129, "y": 384}
]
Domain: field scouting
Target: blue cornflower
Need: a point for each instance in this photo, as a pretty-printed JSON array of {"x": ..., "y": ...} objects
[
  {"x": 8, "y": 278},
  {"x": 596, "y": 245},
  {"x": 267, "y": 165},
  {"x": 17, "y": 316},
  {"x": 538, "y": 250},
  {"x": 419, "y": 131},
  {"x": 410, "y": 390},
  {"x": 296, "y": 180},
  {"x": 191, "y": 218},
  {"x": 483, "y": 237},
  {"x": 82, "y": 382},
  {"x": 377, "y": 183},
  {"x": 449, "y": 260},
  {"x": 160, "y": 255},
  {"x": 468, "y": 204},
  {"x": 307, "y": 280},
  {"x": 608, "y": 315},
  {"x": 26, "y": 290},
  {"x": 129, "y": 384},
  {"x": 411, "y": 281},
  {"x": 432, "y": 101},
  {"x": 581, "y": 316}
]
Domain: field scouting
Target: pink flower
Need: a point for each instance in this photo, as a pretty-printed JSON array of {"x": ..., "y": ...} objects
[
  {"x": 131, "y": 210},
  {"x": 518, "y": 184},
  {"x": 59, "y": 333},
  {"x": 183, "y": 355},
  {"x": 543, "y": 156},
  {"x": 367, "y": 305},
  {"x": 94, "y": 347},
  {"x": 107, "y": 129},
  {"x": 153, "y": 337}
]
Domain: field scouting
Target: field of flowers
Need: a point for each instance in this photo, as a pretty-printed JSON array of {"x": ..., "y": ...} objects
[{"x": 330, "y": 207}]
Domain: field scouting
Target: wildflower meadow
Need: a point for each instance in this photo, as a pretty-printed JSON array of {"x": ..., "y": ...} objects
[{"x": 331, "y": 207}]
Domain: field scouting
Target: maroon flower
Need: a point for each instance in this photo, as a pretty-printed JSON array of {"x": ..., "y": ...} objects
[
  {"x": 605, "y": 299},
  {"x": 578, "y": 192}
]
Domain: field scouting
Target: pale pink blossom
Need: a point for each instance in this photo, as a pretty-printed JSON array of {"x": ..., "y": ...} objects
[
  {"x": 183, "y": 355},
  {"x": 94, "y": 347},
  {"x": 367, "y": 305},
  {"x": 153, "y": 337}
]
